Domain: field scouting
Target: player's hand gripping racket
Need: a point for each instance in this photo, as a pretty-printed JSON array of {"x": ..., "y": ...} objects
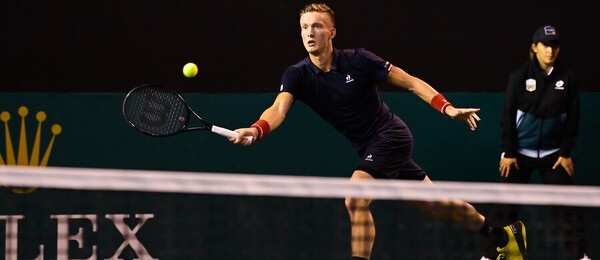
[{"x": 157, "y": 111}]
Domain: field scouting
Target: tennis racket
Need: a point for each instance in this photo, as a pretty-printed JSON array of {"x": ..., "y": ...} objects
[{"x": 158, "y": 111}]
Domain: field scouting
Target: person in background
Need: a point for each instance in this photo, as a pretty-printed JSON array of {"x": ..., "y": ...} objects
[{"x": 540, "y": 121}]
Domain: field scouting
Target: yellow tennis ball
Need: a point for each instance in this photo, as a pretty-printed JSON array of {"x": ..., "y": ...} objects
[{"x": 190, "y": 70}]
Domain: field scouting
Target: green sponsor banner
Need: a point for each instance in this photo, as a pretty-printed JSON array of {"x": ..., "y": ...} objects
[{"x": 88, "y": 130}]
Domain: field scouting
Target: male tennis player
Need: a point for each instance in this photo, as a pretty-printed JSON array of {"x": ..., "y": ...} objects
[{"x": 340, "y": 86}]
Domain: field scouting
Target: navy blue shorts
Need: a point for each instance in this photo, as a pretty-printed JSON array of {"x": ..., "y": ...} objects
[{"x": 388, "y": 155}]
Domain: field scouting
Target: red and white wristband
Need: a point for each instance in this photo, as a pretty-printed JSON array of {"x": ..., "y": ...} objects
[
  {"x": 440, "y": 103},
  {"x": 263, "y": 128}
]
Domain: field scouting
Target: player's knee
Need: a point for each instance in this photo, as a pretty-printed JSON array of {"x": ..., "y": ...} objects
[{"x": 354, "y": 205}]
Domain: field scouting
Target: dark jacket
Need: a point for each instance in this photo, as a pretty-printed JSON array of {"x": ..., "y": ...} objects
[{"x": 541, "y": 112}]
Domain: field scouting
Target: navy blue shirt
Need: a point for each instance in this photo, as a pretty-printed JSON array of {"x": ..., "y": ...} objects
[{"x": 347, "y": 95}]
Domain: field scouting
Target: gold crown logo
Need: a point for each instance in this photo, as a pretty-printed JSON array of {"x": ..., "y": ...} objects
[{"x": 23, "y": 158}]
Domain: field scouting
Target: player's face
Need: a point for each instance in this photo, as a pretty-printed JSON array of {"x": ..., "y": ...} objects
[
  {"x": 546, "y": 53},
  {"x": 317, "y": 31}
]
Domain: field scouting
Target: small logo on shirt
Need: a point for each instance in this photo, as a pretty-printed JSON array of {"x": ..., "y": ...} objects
[
  {"x": 281, "y": 87},
  {"x": 369, "y": 158},
  {"x": 560, "y": 85},
  {"x": 349, "y": 78},
  {"x": 530, "y": 85}
]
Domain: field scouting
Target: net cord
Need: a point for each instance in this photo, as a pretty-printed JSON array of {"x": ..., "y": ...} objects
[{"x": 294, "y": 186}]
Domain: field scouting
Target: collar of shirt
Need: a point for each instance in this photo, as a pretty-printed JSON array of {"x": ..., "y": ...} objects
[{"x": 334, "y": 63}]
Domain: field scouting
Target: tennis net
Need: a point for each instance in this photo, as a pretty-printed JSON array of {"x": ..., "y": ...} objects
[{"x": 83, "y": 213}]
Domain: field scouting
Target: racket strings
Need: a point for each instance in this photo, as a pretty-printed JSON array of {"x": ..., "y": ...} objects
[{"x": 156, "y": 111}]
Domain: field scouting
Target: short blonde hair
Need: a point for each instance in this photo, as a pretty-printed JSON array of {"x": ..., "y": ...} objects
[{"x": 319, "y": 7}]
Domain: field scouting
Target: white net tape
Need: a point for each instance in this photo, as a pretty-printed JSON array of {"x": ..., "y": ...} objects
[{"x": 293, "y": 186}]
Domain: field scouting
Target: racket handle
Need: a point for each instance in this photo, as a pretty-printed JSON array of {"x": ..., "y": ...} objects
[{"x": 226, "y": 132}]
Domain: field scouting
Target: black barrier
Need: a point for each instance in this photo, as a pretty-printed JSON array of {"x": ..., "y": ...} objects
[{"x": 109, "y": 46}]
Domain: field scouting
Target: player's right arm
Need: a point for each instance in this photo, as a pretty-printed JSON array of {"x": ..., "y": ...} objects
[{"x": 273, "y": 116}]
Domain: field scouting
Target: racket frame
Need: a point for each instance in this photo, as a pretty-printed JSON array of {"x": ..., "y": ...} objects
[{"x": 207, "y": 126}]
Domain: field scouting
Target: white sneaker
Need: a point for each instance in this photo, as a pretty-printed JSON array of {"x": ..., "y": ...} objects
[{"x": 484, "y": 258}]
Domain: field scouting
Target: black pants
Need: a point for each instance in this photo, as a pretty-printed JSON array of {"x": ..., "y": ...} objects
[{"x": 569, "y": 220}]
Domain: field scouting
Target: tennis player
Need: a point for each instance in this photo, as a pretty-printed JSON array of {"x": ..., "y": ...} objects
[{"x": 340, "y": 86}]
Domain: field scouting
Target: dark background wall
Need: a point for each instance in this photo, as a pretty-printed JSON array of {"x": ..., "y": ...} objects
[{"x": 244, "y": 46}]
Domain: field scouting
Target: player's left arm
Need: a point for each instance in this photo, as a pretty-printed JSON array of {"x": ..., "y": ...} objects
[{"x": 427, "y": 93}]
